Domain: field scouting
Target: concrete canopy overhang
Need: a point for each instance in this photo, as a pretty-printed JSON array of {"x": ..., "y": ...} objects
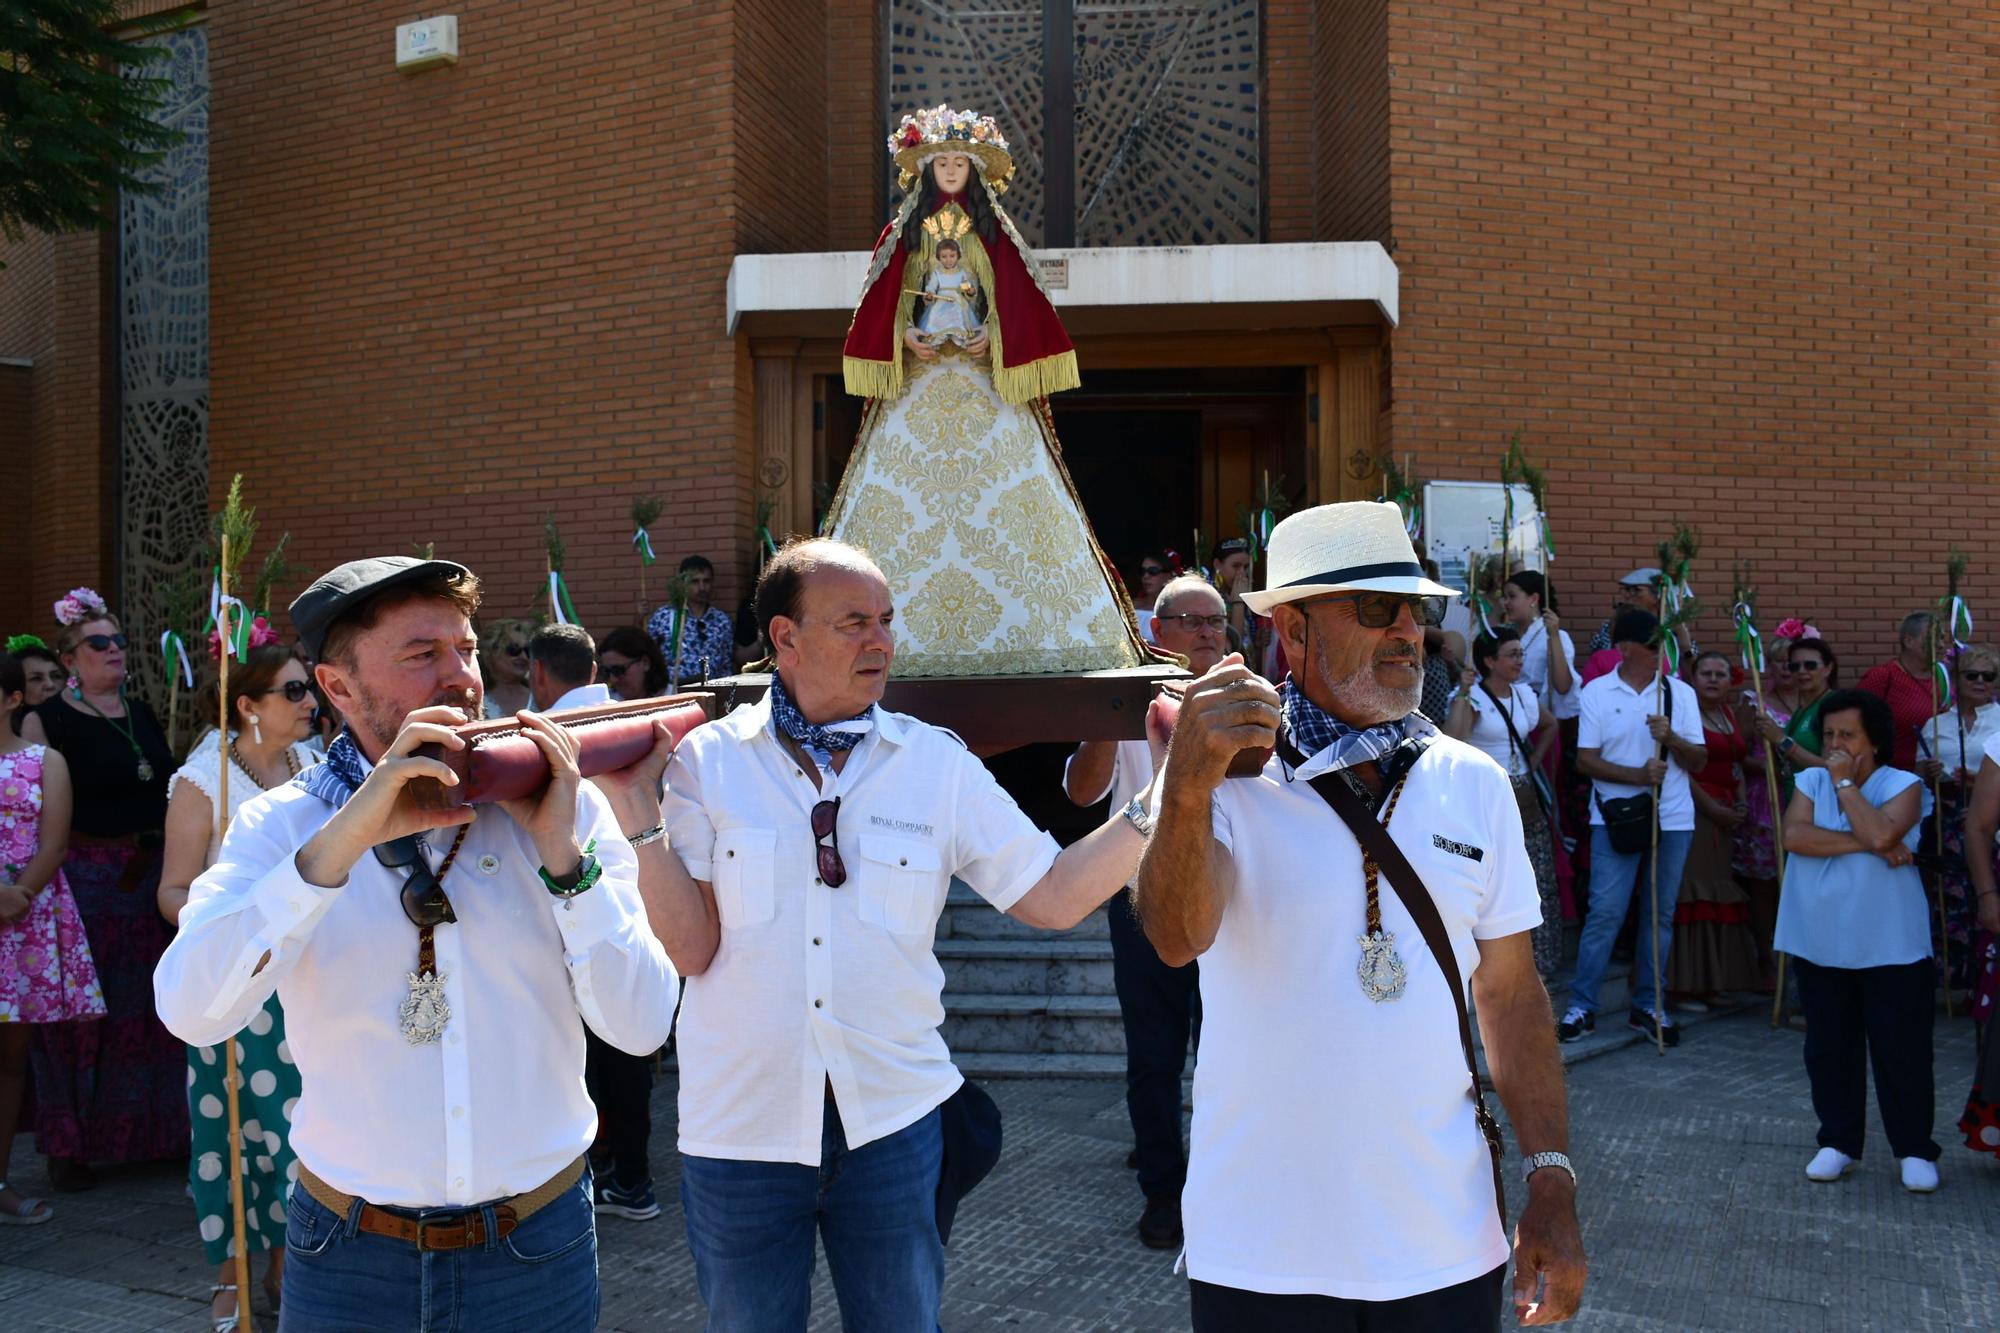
[{"x": 1152, "y": 289}]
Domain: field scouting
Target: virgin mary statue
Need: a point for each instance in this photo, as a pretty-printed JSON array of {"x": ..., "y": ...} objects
[{"x": 956, "y": 485}]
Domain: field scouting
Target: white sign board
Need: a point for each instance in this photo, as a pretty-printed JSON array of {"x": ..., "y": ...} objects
[
  {"x": 427, "y": 42},
  {"x": 1461, "y": 517}
]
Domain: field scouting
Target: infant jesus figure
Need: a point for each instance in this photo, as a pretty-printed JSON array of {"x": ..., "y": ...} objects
[{"x": 948, "y": 305}]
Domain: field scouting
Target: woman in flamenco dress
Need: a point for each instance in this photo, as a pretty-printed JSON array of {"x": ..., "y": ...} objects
[{"x": 956, "y": 485}]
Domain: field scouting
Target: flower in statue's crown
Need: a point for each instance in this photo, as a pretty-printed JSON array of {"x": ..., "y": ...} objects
[
  {"x": 79, "y": 605},
  {"x": 925, "y": 134}
]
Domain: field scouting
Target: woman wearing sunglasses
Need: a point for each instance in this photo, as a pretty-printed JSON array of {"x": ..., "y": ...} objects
[
  {"x": 113, "y": 1090},
  {"x": 1949, "y": 754},
  {"x": 503, "y": 666},
  {"x": 1813, "y": 669},
  {"x": 271, "y": 708},
  {"x": 630, "y": 664}
]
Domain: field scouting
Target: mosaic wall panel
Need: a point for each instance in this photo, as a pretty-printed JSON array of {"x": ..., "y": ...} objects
[
  {"x": 1165, "y": 118},
  {"x": 163, "y": 363}
]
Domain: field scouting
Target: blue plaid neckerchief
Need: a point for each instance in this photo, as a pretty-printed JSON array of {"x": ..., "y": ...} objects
[
  {"x": 1314, "y": 730},
  {"x": 339, "y": 775},
  {"x": 819, "y": 741}
]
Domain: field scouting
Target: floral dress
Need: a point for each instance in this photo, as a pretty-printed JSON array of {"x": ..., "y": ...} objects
[{"x": 46, "y": 975}]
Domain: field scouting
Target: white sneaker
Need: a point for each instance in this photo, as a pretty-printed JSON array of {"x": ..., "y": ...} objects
[
  {"x": 1919, "y": 1176},
  {"x": 1831, "y": 1164}
]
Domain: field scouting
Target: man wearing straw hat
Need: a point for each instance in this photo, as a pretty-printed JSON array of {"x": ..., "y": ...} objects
[
  {"x": 437, "y": 975},
  {"x": 1344, "y": 1172}
]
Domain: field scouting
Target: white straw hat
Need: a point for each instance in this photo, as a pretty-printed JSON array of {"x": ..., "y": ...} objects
[{"x": 1361, "y": 546}]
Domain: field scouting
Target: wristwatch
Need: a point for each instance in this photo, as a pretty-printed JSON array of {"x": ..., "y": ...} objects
[
  {"x": 1138, "y": 816},
  {"x": 1534, "y": 1162},
  {"x": 587, "y": 873},
  {"x": 1785, "y": 745},
  {"x": 1843, "y": 783}
]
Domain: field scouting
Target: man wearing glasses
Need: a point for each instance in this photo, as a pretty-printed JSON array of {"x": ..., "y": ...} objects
[
  {"x": 819, "y": 834},
  {"x": 1340, "y": 1169},
  {"x": 1160, "y": 1005},
  {"x": 437, "y": 975}
]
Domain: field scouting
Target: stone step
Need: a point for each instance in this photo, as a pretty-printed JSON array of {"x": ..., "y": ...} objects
[
  {"x": 1034, "y": 1024},
  {"x": 1044, "y": 966},
  {"x": 999, "y": 1064},
  {"x": 968, "y": 916}
]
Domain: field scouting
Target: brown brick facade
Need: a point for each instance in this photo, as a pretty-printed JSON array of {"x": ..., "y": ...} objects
[{"x": 1734, "y": 264}]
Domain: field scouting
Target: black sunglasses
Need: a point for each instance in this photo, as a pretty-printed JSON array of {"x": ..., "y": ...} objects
[
  {"x": 1983, "y": 677},
  {"x": 103, "y": 643},
  {"x": 1379, "y": 610},
  {"x": 295, "y": 691},
  {"x": 423, "y": 894},
  {"x": 618, "y": 668},
  {"x": 1151, "y": 571},
  {"x": 515, "y": 649},
  {"x": 1800, "y": 668},
  {"x": 831, "y": 868}
]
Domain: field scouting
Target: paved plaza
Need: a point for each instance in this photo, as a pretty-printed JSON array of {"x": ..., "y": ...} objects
[{"x": 1696, "y": 1213}]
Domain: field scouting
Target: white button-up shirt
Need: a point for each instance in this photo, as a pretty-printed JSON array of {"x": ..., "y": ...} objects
[
  {"x": 814, "y": 986},
  {"x": 497, "y": 1106}
]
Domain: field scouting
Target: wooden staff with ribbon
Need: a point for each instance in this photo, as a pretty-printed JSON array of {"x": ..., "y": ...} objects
[
  {"x": 1677, "y": 607},
  {"x": 1750, "y": 647},
  {"x": 644, "y": 512}
]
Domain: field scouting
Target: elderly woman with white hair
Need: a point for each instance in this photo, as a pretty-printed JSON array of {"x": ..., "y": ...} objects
[{"x": 1950, "y": 749}]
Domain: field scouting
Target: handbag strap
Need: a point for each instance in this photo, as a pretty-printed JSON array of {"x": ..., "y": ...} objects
[
  {"x": 1507, "y": 716},
  {"x": 1416, "y": 899}
]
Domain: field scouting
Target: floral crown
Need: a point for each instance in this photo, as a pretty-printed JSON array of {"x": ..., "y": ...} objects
[
  {"x": 1795, "y": 628},
  {"x": 938, "y": 130},
  {"x": 78, "y": 606}
]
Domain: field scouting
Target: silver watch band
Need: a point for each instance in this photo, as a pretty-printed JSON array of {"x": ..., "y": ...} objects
[
  {"x": 1139, "y": 816},
  {"x": 653, "y": 834},
  {"x": 1534, "y": 1162}
]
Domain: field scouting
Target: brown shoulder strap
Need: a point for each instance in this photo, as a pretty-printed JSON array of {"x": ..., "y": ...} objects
[{"x": 1416, "y": 899}]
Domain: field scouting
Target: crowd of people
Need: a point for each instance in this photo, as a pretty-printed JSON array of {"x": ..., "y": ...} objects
[{"x": 156, "y": 898}]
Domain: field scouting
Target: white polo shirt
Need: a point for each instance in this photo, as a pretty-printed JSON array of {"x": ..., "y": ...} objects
[
  {"x": 1489, "y": 734},
  {"x": 1613, "y": 723},
  {"x": 1335, "y": 1151},
  {"x": 815, "y": 986}
]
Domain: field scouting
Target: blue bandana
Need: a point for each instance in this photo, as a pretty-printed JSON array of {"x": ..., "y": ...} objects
[
  {"x": 1313, "y": 729},
  {"x": 339, "y": 775},
  {"x": 819, "y": 741}
]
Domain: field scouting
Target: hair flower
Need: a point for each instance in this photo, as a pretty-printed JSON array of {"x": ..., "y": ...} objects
[
  {"x": 79, "y": 605},
  {"x": 261, "y": 633}
]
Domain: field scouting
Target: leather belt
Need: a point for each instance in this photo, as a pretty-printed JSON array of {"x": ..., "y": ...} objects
[{"x": 458, "y": 1233}]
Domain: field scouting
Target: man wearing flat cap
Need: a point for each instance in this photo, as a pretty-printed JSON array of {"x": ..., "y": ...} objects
[
  {"x": 437, "y": 973},
  {"x": 1344, "y": 1172}
]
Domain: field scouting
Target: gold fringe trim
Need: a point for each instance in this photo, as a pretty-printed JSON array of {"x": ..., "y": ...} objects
[
  {"x": 872, "y": 379},
  {"x": 1037, "y": 379}
]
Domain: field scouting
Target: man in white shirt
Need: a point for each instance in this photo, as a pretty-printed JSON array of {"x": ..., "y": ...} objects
[
  {"x": 562, "y": 669},
  {"x": 436, "y": 992},
  {"x": 562, "y": 673},
  {"x": 1160, "y": 1005},
  {"x": 819, "y": 834},
  {"x": 1340, "y": 1176},
  {"x": 1633, "y": 741}
]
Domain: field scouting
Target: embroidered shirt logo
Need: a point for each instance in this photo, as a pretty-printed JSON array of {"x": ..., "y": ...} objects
[
  {"x": 1470, "y": 853},
  {"x": 902, "y": 826}
]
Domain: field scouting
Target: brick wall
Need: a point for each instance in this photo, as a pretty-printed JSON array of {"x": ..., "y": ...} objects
[
  {"x": 59, "y": 531},
  {"x": 1286, "y": 112},
  {"x": 1350, "y": 121},
  {"x": 856, "y": 160},
  {"x": 1731, "y": 263},
  {"x": 450, "y": 304}
]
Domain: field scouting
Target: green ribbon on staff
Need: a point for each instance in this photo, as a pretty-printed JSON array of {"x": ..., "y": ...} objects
[
  {"x": 1748, "y": 642},
  {"x": 560, "y": 607},
  {"x": 643, "y": 542}
]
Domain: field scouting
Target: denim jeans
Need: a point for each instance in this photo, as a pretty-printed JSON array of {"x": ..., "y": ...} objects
[
  {"x": 751, "y": 1224},
  {"x": 1614, "y": 876},
  {"x": 542, "y": 1275}
]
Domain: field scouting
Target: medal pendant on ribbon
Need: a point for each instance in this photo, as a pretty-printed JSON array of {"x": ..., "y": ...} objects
[
  {"x": 145, "y": 771},
  {"x": 1381, "y": 971},
  {"x": 426, "y": 1012}
]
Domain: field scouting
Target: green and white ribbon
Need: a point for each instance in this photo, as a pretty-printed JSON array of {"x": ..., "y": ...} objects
[
  {"x": 1961, "y": 621},
  {"x": 237, "y": 641},
  {"x": 1670, "y": 650},
  {"x": 1748, "y": 642},
  {"x": 1941, "y": 682},
  {"x": 643, "y": 542},
  {"x": 561, "y": 609},
  {"x": 1548, "y": 540},
  {"x": 766, "y": 544},
  {"x": 171, "y": 647}
]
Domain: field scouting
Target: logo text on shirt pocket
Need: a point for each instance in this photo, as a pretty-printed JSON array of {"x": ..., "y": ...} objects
[{"x": 1465, "y": 850}]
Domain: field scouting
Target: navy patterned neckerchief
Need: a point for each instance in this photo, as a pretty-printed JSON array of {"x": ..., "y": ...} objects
[
  {"x": 338, "y": 776},
  {"x": 1312, "y": 730},
  {"x": 819, "y": 740}
]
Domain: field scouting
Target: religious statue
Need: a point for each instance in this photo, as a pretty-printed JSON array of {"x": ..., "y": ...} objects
[{"x": 956, "y": 485}]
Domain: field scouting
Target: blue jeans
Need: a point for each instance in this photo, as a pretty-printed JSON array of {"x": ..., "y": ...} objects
[
  {"x": 1613, "y": 878},
  {"x": 751, "y": 1224},
  {"x": 542, "y": 1275}
]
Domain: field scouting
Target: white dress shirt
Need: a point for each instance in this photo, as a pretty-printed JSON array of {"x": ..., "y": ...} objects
[
  {"x": 583, "y": 696},
  {"x": 1613, "y": 723},
  {"x": 814, "y": 986},
  {"x": 497, "y": 1106}
]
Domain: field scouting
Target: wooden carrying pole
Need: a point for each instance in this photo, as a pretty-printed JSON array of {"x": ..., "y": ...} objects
[
  {"x": 1660, "y": 688},
  {"x": 1937, "y": 805},
  {"x": 230, "y": 1076}
]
